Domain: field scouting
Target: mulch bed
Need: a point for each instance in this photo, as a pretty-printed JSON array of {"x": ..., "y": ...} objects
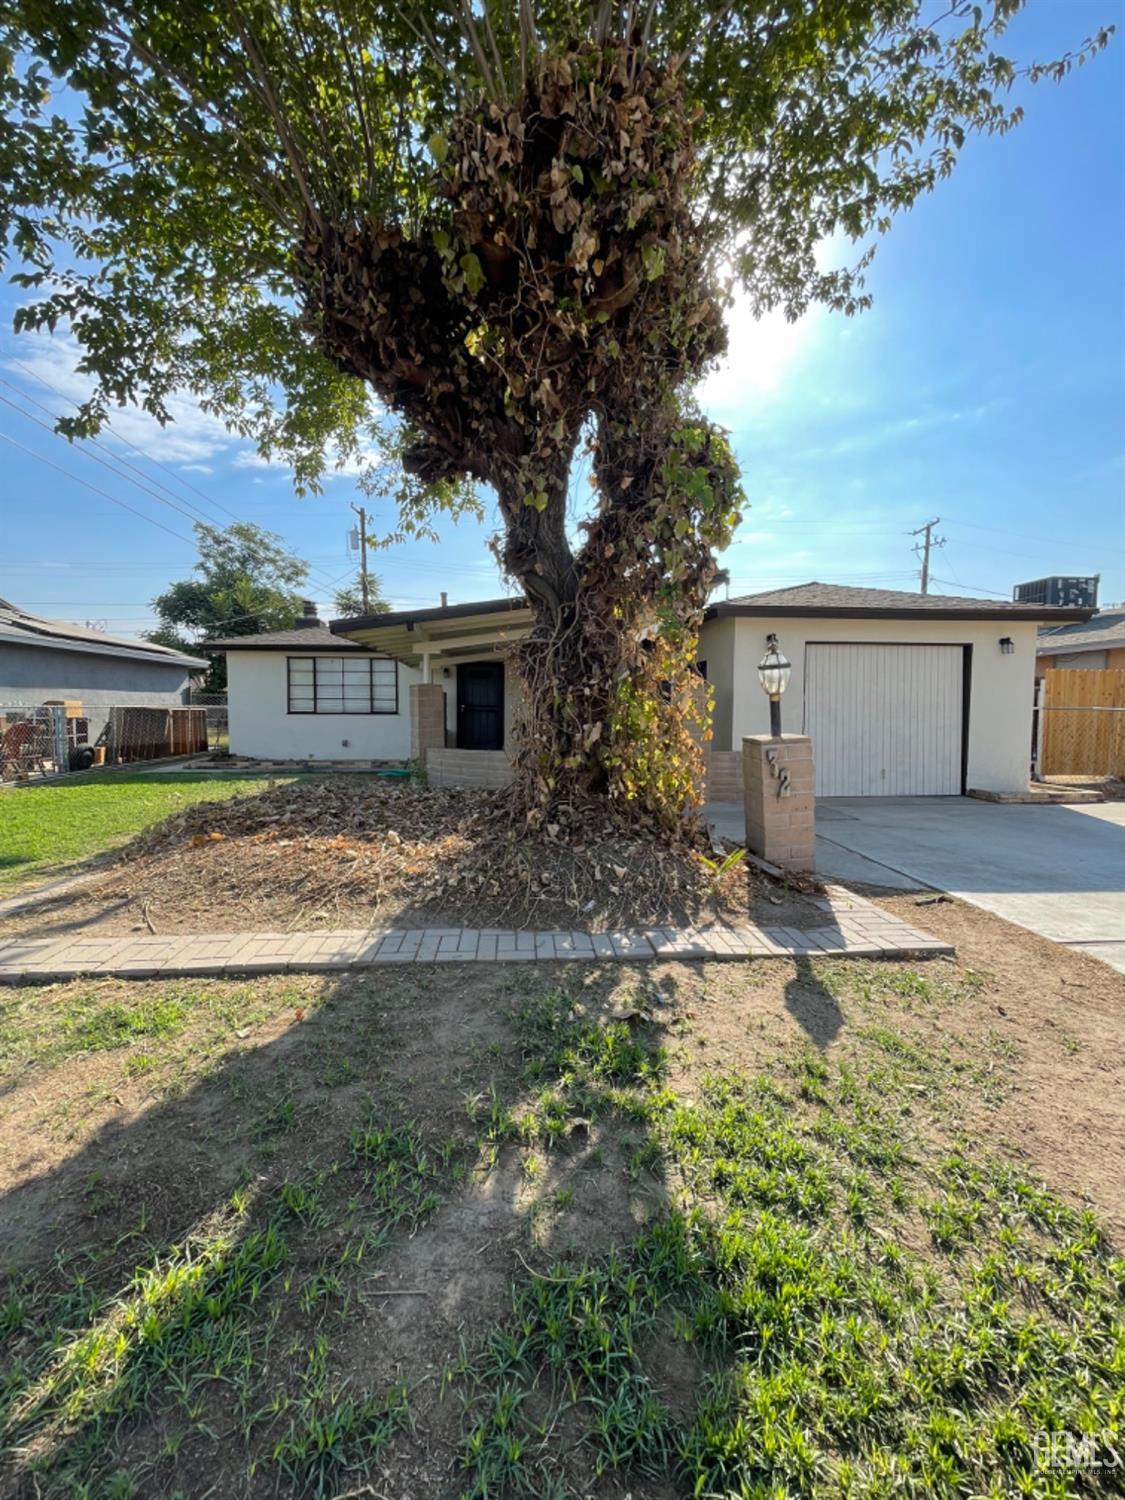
[{"x": 351, "y": 851}]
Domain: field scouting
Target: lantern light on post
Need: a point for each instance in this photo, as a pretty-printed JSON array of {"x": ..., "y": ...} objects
[{"x": 773, "y": 673}]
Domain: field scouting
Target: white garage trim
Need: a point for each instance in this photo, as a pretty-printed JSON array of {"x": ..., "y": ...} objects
[{"x": 886, "y": 720}]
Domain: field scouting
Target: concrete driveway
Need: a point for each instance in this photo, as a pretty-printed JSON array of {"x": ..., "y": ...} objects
[{"x": 1059, "y": 871}]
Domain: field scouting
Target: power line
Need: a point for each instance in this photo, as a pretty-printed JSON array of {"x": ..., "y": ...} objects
[
  {"x": 96, "y": 489},
  {"x": 185, "y": 483},
  {"x": 193, "y": 515},
  {"x": 972, "y": 588}
]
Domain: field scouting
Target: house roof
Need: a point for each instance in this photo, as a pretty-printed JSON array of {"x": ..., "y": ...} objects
[
  {"x": 408, "y": 633},
  {"x": 840, "y": 601},
  {"x": 410, "y": 617},
  {"x": 18, "y": 626},
  {"x": 301, "y": 639},
  {"x": 1106, "y": 629},
  {"x": 453, "y": 630}
]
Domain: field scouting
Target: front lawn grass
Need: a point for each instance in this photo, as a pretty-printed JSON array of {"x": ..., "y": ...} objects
[
  {"x": 494, "y": 1233},
  {"x": 46, "y": 827}
]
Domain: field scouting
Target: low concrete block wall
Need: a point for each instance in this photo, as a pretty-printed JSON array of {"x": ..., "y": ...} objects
[{"x": 487, "y": 769}]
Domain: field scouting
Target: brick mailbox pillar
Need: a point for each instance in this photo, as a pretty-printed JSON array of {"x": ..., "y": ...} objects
[
  {"x": 427, "y": 719},
  {"x": 777, "y": 782}
]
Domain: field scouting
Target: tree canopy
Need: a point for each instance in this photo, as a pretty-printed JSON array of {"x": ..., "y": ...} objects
[
  {"x": 161, "y": 164},
  {"x": 246, "y": 582},
  {"x": 348, "y": 601}
]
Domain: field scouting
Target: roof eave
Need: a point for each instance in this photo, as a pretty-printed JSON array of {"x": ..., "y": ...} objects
[
  {"x": 732, "y": 610},
  {"x": 1056, "y": 647},
  {"x": 103, "y": 648},
  {"x": 423, "y": 616}
]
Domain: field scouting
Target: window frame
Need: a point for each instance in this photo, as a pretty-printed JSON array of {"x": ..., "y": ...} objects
[{"x": 371, "y": 711}]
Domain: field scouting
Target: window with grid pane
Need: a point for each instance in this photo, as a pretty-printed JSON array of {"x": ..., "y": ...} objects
[{"x": 342, "y": 685}]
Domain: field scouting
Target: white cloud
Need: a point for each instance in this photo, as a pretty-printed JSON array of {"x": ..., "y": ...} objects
[
  {"x": 46, "y": 364},
  {"x": 351, "y": 468},
  {"x": 190, "y": 438}
]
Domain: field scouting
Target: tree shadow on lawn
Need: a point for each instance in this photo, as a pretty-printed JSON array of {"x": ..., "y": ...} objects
[
  {"x": 727, "y": 1288},
  {"x": 220, "y": 1277},
  {"x": 813, "y": 1005}
]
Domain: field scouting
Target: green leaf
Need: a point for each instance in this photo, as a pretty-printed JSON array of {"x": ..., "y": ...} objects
[{"x": 473, "y": 272}]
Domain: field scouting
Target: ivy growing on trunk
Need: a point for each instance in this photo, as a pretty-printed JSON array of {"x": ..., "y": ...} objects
[{"x": 474, "y": 237}]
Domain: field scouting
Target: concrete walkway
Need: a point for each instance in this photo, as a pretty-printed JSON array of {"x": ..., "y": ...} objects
[
  {"x": 853, "y": 928},
  {"x": 1057, "y": 870}
]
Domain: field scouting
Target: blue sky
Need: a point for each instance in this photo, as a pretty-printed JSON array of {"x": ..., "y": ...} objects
[{"x": 986, "y": 386}]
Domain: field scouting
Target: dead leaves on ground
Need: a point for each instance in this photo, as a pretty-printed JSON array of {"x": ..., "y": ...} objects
[{"x": 388, "y": 846}]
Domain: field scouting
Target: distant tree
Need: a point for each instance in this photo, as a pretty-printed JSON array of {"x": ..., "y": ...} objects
[
  {"x": 490, "y": 232},
  {"x": 348, "y": 601},
  {"x": 247, "y": 583}
]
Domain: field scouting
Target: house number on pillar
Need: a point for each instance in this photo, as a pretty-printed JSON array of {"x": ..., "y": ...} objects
[{"x": 779, "y": 773}]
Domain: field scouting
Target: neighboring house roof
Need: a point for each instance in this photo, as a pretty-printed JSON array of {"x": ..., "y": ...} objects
[
  {"x": 840, "y": 601},
  {"x": 17, "y": 626},
  {"x": 1104, "y": 632},
  {"x": 301, "y": 638}
]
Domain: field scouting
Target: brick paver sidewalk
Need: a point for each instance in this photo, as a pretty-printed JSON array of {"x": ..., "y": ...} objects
[{"x": 853, "y": 928}]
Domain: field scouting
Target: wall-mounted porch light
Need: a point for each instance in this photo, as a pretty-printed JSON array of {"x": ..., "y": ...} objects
[
  {"x": 1007, "y": 645},
  {"x": 774, "y": 672}
]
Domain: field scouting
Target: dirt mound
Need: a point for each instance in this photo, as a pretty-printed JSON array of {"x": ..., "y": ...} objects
[{"x": 371, "y": 850}]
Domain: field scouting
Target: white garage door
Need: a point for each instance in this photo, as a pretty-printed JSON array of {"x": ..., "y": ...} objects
[{"x": 885, "y": 721}]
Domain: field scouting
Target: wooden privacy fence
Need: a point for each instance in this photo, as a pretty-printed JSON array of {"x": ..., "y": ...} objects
[
  {"x": 1082, "y": 723},
  {"x": 141, "y": 733}
]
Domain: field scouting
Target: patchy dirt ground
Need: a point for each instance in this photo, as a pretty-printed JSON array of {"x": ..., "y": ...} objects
[
  {"x": 1061, "y": 1016},
  {"x": 422, "y": 1157},
  {"x": 1111, "y": 787},
  {"x": 358, "y": 852}
]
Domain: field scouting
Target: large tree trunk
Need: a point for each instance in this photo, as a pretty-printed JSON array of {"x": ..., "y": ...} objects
[{"x": 612, "y": 716}]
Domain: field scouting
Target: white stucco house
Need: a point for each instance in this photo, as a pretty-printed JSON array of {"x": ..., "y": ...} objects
[{"x": 903, "y": 694}]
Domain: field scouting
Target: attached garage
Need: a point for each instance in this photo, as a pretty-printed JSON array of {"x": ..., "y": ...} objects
[
  {"x": 886, "y": 720},
  {"x": 903, "y": 695}
]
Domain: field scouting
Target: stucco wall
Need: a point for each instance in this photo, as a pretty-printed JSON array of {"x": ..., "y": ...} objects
[
  {"x": 29, "y": 674},
  {"x": 716, "y": 648},
  {"x": 1001, "y": 686},
  {"x": 260, "y": 724}
]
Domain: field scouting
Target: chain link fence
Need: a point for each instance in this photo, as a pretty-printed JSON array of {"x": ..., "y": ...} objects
[
  {"x": 50, "y": 739},
  {"x": 218, "y": 728},
  {"x": 32, "y": 742}
]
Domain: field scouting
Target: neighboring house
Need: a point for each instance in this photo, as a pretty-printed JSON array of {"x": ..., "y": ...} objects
[
  {"x": 903, "y": 694},
  {"x": 1097, "y": 644},
  {"x": 51, "y": 659}
]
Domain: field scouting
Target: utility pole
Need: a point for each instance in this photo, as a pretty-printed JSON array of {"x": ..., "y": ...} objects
[
  {"x": 922, "y": 549},
  {"x": 362, "y": 514}
]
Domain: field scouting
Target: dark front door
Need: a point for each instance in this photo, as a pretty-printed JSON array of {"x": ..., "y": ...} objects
[{"x": 480, "y": 705}]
